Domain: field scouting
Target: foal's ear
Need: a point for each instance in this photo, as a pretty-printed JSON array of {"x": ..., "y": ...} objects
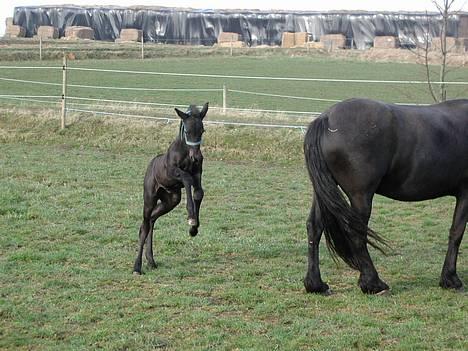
[
  {"x": 181, "y": 114},
  {"x": 204, "y": 111}
]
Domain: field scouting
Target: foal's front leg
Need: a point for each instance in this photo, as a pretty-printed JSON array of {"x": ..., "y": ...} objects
[
  {"x": 197, "y": 198},
  {"x": 187, "y": 180}
]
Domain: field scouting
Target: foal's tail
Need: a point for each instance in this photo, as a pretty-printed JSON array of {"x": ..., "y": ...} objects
[{"x": 344, "y": 229}]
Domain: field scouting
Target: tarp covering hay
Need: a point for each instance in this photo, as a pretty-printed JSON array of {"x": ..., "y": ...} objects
[
  {"x": 333, "y": 41},
  {"x": 130, "y": 34},
  {"x": 47, "y": 32},
  {"x": 202, "y": 27},
  {"x": 78, "y": 32},
  {"x": 14, "y": 31},
  {"x": 386, "y": 42}
]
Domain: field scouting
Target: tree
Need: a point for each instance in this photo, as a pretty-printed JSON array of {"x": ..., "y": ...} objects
[{"x": 444, "y": 7}]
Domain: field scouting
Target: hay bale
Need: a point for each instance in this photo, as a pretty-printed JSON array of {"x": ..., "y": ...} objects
[
  {"x": 301, "y": 38},
  {"x": 315, "y": 45},
  {"x": 233, "y": 44},
  {"x": 14, "y": 31},
  {"x": 47, "y": 32},
  {"x": 227, "y": 37},
  {"x": 386, "y": 42},
  {"x": 452, "y": 43},
  {"x": 463, "y": 44},
  {"x": 78, "y": 32},
  {"x": 333, "y": 41},
  {"x": 288, "y": 40},
  {"x": 8, "y": 21},
  {"x": 130, "y": 34}
]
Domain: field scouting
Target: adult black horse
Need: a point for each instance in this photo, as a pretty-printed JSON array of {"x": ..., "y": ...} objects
[
  {"x": 180, "y": 167},
  {"x": 407, "y": 153}
]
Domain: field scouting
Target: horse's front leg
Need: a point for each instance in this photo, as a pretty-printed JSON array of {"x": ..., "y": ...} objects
[{"x": 198, "y": 194}]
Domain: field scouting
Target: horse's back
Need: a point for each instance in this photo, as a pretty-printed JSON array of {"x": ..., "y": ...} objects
[{"x": 403, "y": 152}]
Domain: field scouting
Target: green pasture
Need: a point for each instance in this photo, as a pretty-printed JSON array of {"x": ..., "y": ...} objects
[
  {"x": 70, "y": 208},
  {"x": 265, "y": 66}
]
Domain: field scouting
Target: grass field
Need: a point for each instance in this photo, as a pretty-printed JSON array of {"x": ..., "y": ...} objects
[
  {"x": 71, "y": 204},
  {"x": 69, "y": 215}
]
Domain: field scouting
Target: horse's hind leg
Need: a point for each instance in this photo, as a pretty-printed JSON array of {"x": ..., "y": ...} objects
[
  {"x": 449, "y": 278},
  {"x": 369, "y": 280},
  {"x": 313, "y": 282}
]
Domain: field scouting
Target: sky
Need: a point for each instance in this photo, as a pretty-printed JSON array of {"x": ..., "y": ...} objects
[{"x": 7, "y": 6}]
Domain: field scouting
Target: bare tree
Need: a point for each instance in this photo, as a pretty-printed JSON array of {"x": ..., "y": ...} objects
[{"x": 444, "y": 7}]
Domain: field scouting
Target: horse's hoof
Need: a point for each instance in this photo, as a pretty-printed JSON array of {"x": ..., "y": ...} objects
[
  {"x": 193, "y": 231},
  {"x": 385, "y": 292},
  {"x": 192, "y": 222},
  {"x": 136, "y": 273}
]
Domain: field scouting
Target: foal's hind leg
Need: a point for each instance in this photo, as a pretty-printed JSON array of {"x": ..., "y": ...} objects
[
  {"x": 167, "y": 203},
  {"x": 313, "y": 282},
  {"x": 449, "y": 278},
  {"x": 369, "y": 280},
  {"x": 152, "y": 211}
]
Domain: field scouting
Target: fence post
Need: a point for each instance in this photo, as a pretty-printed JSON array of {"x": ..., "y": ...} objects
[
  {"x": 142, "y": 47},
  {"x": 224, "y": 98},
  {"x": 64, "y": 90},
  {"x": 231, "y": 44},
  {"x": 40, "y": 48}
]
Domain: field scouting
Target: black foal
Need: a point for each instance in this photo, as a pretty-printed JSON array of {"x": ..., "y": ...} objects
[{"x": 180, "y": 167}]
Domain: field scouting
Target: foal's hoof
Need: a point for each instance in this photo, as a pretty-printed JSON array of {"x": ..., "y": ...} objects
[
  {"x": 385, "y": 292},
  {"x": 192, "y": 222},
  {"x": 193, "y": 231}
]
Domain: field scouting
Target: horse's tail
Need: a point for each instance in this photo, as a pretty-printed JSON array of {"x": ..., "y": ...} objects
[{"x": 344, "y": 228}]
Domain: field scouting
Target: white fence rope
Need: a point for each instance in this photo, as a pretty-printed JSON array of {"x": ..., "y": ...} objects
[
  {"x": 331, "y": 80},
  {"x": 29, "y": 81},
  {"x": 23, "y": 98},
  {"x": 168, "y": 119},
  {"x": 31, "y": 67},
  {"x": 176, "y": 105},
  {"x": 282, "y": 96},
  {"x": 108, "y": 87}
]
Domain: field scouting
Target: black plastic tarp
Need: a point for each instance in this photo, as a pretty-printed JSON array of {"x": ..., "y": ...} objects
[{"x": 191, "y": 26}]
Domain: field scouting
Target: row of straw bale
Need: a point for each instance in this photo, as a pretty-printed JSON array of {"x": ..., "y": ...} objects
[
  {"x": 229, "y": 39},
  {"x": 290, "y": 40}
]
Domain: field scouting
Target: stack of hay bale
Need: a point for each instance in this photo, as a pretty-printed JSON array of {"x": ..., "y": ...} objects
[
  {"x": 333, "y": 41},
  {"x": 453, "y": 44},
  {"x": 228, "y": 39},
  {"x": 297, "y": 39},
  {"x": 130, "y": 34},
  {"x": 386, "y": 42},
  {"x": 47, "y": 32},
  {"x": 13, "y": 31},
  {"x": 79, "y": 32}
]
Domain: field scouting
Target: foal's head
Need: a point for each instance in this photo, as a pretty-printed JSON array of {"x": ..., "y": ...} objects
[{"x": 191, "y": 128}]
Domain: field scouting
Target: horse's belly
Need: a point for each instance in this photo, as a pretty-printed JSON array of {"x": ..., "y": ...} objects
[{"x": 425, "y": 186}]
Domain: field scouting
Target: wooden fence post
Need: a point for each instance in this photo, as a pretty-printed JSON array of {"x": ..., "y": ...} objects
[
  {"x": 40, "y": 48},
  {"x": 142, "y": 47},
  {"x": 64, "y": 90}
]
